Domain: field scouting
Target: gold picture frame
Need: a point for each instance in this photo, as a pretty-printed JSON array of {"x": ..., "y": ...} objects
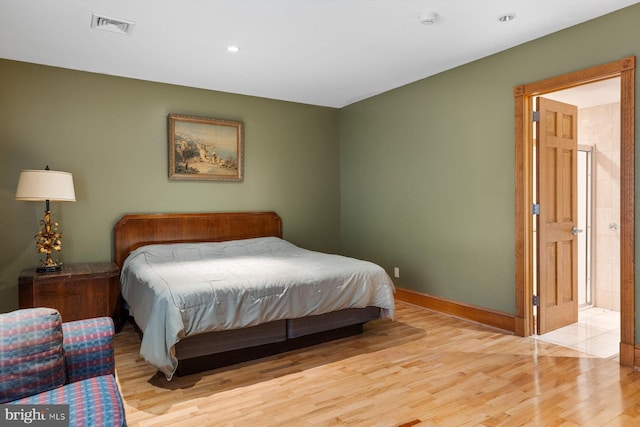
[{"x": 205, "y": 149}]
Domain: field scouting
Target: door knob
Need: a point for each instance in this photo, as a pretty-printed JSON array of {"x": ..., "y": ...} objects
[{"x": 575, "y": 230}]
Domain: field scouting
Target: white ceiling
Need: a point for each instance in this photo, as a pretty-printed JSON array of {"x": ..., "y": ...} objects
[{"x": 321, "y": 52}]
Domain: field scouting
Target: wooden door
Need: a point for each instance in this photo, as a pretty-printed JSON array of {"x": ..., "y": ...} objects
[{"x": 557, "y": 153}]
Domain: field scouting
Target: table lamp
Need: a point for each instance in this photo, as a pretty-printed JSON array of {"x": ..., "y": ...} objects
[{"x": 46, "y": 185}]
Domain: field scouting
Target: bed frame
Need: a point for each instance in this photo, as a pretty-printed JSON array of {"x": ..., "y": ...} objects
[{"x": 217, "y": 349}]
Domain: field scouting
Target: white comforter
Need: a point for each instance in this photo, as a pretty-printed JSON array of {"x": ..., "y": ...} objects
[{"x": 184, "y": 289}]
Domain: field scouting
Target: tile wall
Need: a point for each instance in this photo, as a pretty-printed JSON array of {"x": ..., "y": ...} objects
[{"x": 599, "y": 127}]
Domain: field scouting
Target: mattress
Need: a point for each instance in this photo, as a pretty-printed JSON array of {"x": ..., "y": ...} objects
[{"x": 179, "y": 290}]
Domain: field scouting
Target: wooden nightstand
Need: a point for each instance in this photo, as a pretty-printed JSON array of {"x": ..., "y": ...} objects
[{"x": 77, "y": 291}]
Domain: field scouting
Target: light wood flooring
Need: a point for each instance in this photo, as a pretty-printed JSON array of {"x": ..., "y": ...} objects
[{"x": 422, "y": 369}]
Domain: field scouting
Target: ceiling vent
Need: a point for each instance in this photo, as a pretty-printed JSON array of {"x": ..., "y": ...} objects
[{"x": 114, "y": 25}]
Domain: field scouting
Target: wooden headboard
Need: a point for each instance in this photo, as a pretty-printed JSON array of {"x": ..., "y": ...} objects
[{"x": 133, "y": 231}]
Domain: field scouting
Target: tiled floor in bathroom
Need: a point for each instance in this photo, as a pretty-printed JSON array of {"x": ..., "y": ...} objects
[{"x": 597, "y": 333}]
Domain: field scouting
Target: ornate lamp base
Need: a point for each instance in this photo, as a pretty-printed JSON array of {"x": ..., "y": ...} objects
[{"x": 48, "y": 240}]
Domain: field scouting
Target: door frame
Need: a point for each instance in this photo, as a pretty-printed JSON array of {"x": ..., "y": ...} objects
[
  {"x": 523, "y": 109},
  {"x": 588, "y": 226}
]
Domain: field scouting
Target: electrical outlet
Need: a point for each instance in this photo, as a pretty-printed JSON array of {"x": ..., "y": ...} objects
[{"x": 396, "y": 272}]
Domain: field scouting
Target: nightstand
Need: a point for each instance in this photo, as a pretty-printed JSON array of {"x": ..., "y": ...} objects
[{"x": 77, "y": 291}]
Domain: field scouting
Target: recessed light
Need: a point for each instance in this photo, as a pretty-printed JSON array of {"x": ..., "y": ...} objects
[
  {"x": 233, "y": 49},
  {"x": 507, "y": 17}
]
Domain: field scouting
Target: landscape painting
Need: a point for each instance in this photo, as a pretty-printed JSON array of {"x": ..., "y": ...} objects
[{"x": 205, "y": 149}]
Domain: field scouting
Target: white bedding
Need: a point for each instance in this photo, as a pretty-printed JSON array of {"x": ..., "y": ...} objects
[{"x": 178, "y": 290}]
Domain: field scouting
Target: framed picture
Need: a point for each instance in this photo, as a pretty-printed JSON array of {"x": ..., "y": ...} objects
[{"x": 205, "y": 149}]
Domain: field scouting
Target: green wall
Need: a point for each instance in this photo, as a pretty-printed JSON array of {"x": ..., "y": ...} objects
[
  {"x": 111, "y": 133},
  {"x": 427, "y": 178},
  {"x": 419, "y": 178}
]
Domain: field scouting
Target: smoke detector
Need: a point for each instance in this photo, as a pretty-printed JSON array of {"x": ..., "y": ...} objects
[
  {"x": 115, "y": 25},
  {"x": 428, "y": 18}
]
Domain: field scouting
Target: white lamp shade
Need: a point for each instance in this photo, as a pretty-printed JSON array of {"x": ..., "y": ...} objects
[{"x": 40, "y": 185}]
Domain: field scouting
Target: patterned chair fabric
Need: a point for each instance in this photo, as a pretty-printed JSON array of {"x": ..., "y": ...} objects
[
  {"x": 88, "y": 348},
  {"x": 31, "y": 355},
  {"x": 92, "y": 402},
  {"x": 45, "y": 361}
]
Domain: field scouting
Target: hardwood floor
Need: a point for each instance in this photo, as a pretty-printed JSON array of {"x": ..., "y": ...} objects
[{"x": 423, "y": 369}]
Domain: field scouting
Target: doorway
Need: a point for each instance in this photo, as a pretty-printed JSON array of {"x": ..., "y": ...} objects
[
  {"x": 596, "y": 327},
  {"x": 523, "y": 97}
]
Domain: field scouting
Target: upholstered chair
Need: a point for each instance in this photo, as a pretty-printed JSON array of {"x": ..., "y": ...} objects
[{"x": 44, "y": 361}]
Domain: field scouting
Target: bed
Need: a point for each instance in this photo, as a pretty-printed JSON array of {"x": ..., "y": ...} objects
[{"x": 208, "y": 290}]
